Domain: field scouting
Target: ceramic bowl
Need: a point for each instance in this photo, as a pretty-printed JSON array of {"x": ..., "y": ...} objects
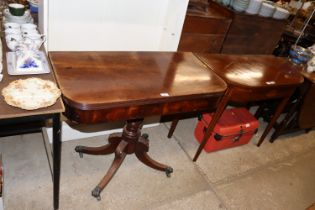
[
  {"x": 13, "y": 38},
  {"x": 28, "y": 26},
  {"x": 12, "y": 26},
  {"x": 29, "y": 32},
  {"x": 12, "y": 31},
  {"x": 17, "y": 9}
]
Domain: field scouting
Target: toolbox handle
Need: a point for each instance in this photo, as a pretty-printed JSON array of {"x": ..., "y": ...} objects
[
  {"x": 219, "y": 137},
  {"x": 237, "y": 138}
]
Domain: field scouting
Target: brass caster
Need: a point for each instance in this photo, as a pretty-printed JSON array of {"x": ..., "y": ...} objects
[
  {"x": 145, "y": 136},
  {"x": 97, "y": 193},
  {"x": 79, "y": 150},
  {"x": 168, "y": 171}
]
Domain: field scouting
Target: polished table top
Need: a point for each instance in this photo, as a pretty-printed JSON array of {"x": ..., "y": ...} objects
[
  {"x": 105, "y": 80},
  {"x": 7, "y": 111},
  {"x": 253, "y": 71}
]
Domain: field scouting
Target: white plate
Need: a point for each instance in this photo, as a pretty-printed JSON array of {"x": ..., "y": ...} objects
[{"x": 11, "y": 65}]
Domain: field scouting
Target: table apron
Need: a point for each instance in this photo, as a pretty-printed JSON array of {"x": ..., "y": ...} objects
[
  {"x": 243, "y": 95},
  {"x": 140, "y": 111}
]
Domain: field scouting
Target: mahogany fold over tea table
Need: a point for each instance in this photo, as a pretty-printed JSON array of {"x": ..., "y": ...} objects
[
  {"x": 252, "y": 78},
  {"x": 110, "y": 86}
]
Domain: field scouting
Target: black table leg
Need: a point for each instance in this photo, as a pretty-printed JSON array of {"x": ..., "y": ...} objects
[{"x": 56, "y": 158}]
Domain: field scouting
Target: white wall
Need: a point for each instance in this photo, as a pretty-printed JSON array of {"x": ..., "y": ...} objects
[
  {"x": 173, "y": 24},
  {"x": 114, "y": 25}
]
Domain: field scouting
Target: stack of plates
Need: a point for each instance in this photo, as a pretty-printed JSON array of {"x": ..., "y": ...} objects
[
  {"x": 281, "y": 13},
  {"x": 240, "y": 5},
  {"x": 266, "y": 10},
  {"x": 26, "y": 18},
  {"x": 253, "y": 7}
]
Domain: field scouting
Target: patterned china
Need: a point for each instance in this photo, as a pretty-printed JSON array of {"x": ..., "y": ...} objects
[
  {"x": 25, "y": 34},
  {"x": 11, "y": 26}
]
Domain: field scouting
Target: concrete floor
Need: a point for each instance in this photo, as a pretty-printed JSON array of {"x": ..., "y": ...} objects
[{"x": 275, "y": 176}]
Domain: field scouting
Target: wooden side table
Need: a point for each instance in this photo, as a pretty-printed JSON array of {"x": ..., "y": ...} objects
[
  {"x": 252, "y": 78},
  {"x": 15, "y": 121},
  {"x": 109, "y": 86}
]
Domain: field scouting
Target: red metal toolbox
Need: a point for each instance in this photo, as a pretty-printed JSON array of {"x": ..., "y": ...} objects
[{"x": 235, "y": 127}]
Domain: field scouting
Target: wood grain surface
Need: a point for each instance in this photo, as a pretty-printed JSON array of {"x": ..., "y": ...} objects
[{"x": 107, "y": 86}]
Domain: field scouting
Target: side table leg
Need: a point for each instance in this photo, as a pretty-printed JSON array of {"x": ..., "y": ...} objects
[
  {"x": 216, "y": 117},
  {"x": 172, "y": 128},
  {"x": 56, "y": 158}
]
